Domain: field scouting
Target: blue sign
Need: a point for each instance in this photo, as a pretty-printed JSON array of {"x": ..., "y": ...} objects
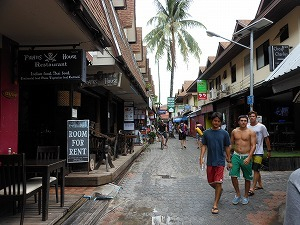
[
  {"x": 250, "y": 100},
  {"x": 161, "y": 112}
]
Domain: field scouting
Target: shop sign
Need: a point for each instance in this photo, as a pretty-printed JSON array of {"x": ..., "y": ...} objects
[
  {"x": 202, "y": 89},
  {"x": 171, "y": 104},
  {"x": 277, "y": 54},
  {"x": 160, "y": 112},
  {"x": 128, "y": 113},
  {"x": 52, "y": 66},
  {"x": 105, "y": 79},
  {"x": 77, "y": 141},
  {"x": 9, "y": 94},
  {"x": 187, "y": 108},
  {"x": 202, "y": 96}
]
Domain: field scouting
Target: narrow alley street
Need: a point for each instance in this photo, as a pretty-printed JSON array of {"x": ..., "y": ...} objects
[{"x": 168, "y": 187}]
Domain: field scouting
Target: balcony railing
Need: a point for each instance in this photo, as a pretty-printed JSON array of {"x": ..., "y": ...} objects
[{"x": 239, "y": 86}]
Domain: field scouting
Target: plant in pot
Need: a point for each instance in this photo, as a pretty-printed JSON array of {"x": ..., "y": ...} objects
[
  {"x": 151, "y": 136},
  {"x": 148, "y": 86}
]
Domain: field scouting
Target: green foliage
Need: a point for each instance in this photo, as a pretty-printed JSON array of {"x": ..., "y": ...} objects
[
  {"x": 151, "y": 134},
  {"x": 290, "y": 153},
  {"x": 170, "y": 33}
]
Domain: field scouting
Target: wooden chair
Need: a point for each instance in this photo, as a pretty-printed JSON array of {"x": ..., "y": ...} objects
[
  {"x": 13, "y": 182},
  {"x": 48, "y": 152}
]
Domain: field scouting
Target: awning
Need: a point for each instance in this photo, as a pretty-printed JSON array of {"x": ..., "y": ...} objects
[{"x": 179, "y": 119}]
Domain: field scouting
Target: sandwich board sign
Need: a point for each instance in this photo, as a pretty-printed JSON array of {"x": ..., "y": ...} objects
[{"x": 77, "y": 141}]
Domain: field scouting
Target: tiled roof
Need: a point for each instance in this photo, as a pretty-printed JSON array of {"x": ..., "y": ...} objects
[
  {"x": 185, "y": 85},
  {"x": 137, "y": 47},
  {"x": 97, "y": 10},
  {"x": 127, "y": 16},
  {"x": 142, "y": 64},
  {"x": 109, "y": 22},
  {"x": 221, "y": 47}
]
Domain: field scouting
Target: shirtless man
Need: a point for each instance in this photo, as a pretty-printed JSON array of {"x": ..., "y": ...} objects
[{"x": 243, "y": 141}]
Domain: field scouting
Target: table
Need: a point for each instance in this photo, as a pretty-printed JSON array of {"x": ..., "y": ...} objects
[{"x": 45, "y": 167}]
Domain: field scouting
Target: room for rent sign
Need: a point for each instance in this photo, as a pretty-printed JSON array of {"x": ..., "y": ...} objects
[{"x": 77, "y": 141}]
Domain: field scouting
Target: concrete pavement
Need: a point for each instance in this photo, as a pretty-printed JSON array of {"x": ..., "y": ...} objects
[{"x": 168, "y": 186}]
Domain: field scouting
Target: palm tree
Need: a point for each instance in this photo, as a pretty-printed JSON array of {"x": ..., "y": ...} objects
[{"x": 170, "y": 30}]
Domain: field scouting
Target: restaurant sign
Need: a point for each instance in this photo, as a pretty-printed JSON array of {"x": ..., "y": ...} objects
[
  {"x": 52, "y": 66},
  {"x": 103, "y": 79},
  {"x": 77, "y": 141}
]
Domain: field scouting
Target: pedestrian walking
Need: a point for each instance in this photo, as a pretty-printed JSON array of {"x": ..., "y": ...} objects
[
  {"x": 243, "y": 141},
  {"x": 216, "y": 142},
  {"x": 261, "y": 136},
  {"x": 199, "y": 133},
  {"x": 162, "y": 130},
  {"x": 292, "y": 210},
  {"x": 182, "y": 128}
]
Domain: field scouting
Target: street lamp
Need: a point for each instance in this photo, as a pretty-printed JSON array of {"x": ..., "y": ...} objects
[{"x": 255, "y": 26}]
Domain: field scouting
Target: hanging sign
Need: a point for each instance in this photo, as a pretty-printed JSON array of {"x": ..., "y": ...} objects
[
  {"x": 52, "y": 66},
  {"x": 171, "y": 104},
  {"x": 202, "y": 89}
]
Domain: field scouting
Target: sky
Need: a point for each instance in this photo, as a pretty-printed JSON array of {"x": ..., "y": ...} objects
[{"x": 218, "y": 16}]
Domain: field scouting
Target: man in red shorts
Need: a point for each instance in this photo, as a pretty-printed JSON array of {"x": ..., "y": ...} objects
[{"x": 217, "y": 143}]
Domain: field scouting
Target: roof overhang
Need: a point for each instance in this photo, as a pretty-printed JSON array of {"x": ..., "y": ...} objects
[
  {"x": 49, "y": 22},
  {"x": 124, "y": 89}
]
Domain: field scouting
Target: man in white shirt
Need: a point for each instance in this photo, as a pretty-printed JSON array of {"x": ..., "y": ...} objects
[{"x": 261, "y": 135}]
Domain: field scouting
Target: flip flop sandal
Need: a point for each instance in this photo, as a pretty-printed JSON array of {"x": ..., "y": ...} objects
[
  {"x": 214, "y": 210},
  {"x": 250, "y": 193},
  {"x": 258, "y": 188}
]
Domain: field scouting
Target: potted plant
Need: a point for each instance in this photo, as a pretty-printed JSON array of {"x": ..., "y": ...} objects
[
  {"x": 148, "y": 86},
  {"x": 151, "y": 136}
]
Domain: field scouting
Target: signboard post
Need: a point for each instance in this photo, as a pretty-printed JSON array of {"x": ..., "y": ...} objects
[{"x": 78, "y": 141}]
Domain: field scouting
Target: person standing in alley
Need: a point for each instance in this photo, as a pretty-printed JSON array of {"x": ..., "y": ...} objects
[
  {"x": 182, "y": 129},
  {"x": 217, "y": 143},
  {"x": 243, "y": 140},
  {"x": 199, "y": 133},
  {"x": 261, "y": 135}
]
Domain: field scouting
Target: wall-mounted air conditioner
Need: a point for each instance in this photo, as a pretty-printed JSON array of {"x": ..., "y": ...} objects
[
  {"x": 224, "y": 87},
  {"x": 212, "y": 94}
]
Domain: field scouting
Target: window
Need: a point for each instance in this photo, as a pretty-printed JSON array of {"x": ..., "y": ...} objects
[
  {"x": 247, "y": 65},
  {"x": 262, "y": 56},
  {"x": 211, "y": 85},
  {"x": 283, "y": 33},
  {"x": 218, "y": 82},
  {"x": 233, "y": 73},
  {"x": 225, "y": 74}
]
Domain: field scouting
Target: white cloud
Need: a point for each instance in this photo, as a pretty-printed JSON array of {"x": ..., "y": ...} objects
[{"x": 218, "y": 16}]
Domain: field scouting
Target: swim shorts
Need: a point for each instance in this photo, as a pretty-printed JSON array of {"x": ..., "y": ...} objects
[
  {"x": 257, "y": 162},
  {"x": 237, "y": 161},
  {"x": 215, "y": 174}
]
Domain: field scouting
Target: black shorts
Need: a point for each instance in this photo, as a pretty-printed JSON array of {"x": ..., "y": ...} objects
[
  {"x": 182, "y": 136},
  {"x": 164, "y": 134}
]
